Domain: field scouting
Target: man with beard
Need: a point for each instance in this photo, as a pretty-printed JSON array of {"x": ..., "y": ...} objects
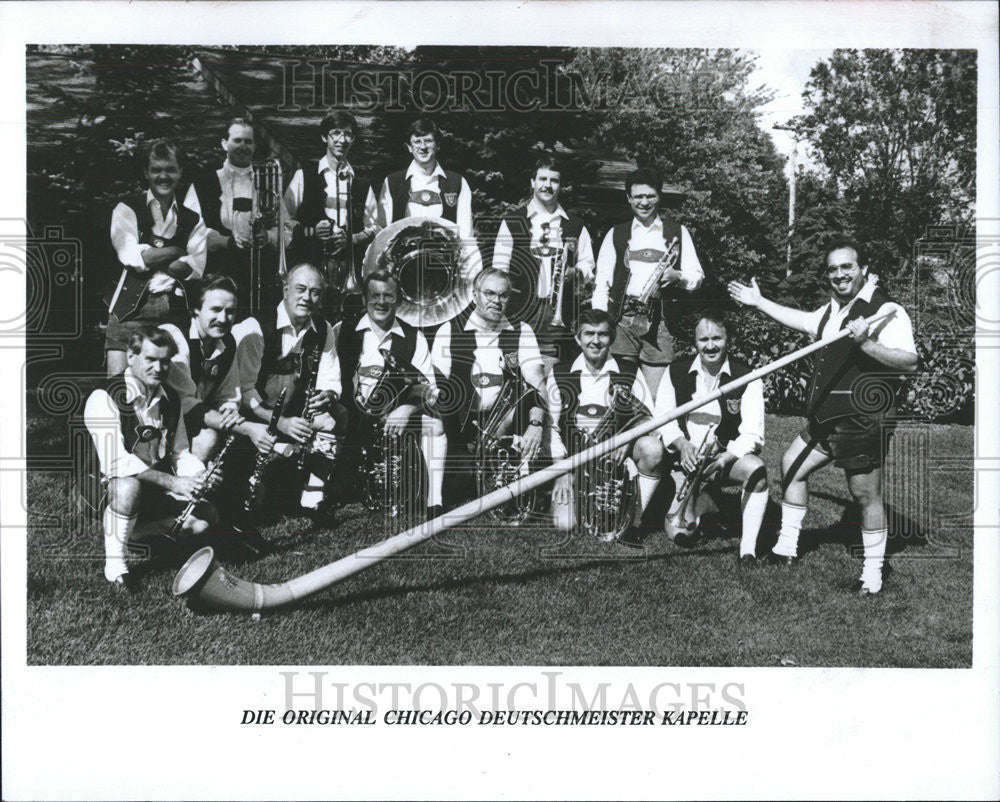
[
  {"x": 224, "y": 199},
  {"x": 147, "y": 472},
  {"x": 160, "y": 244},
  {"x": 388, "y": 376},
  {"x": 837, "y": 429},
  {"x": 425, "y": 188},
  {"x": 533, "y": 244},
  {"x": 733, "y": 446},
  {"x": 592, "y": 386}
]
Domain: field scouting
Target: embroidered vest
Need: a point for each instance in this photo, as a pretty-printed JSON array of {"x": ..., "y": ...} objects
[
  {"x": 349, "y": 343},
  {"x": 569, "y": 385},
  {"x": 684, "y": 382},
  {"x": 273, "y": 364},
  {"x": 449, "y": 188}
]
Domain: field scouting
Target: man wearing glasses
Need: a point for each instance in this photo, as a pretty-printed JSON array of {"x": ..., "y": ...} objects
[{"x": 332, "y": 213}]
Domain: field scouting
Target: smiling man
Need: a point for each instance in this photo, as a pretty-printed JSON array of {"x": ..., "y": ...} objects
[
  {"x": 160, "y": 244},
  {"x": 734, "y": 446},
  {"x": 840, "y": 429},
  {"x": 425, "y": 188}
]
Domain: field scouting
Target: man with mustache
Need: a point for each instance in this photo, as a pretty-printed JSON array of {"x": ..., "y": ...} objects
[
  {"x": 627, "y": 262},
  {"x": 425, "y": 188},
  {"x": 289, "y": 348},
  {"x": 839, "y": 428},
  {"x": 141, "y": 473},
  {"x": 737, "y": 439},
  {"x": 531, "y": 245},
  {"x": 160, "y": 244},
  {"x": 585, "y": 385},
  {"x": 406, "y": 392},
  {"x": 224, "y": 199}
]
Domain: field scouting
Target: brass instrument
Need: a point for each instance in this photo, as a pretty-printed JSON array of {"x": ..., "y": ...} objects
[
  {"x": 608, "y": 492},
  {"x": 263, "y": 460},
  {"x": 645, "y": 300},
  {"x": 267, "y": 211},
  {"x": 681, "y": 520},
  {"x": 560, "y": 262},
  {"x": 196, "y": 499},
  {"x": 339, "y": 262},
  {"x": 312, "y": 365}
]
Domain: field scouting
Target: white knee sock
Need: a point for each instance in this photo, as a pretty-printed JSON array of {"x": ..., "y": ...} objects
[
  {"x": 753, "y": 517},
  {"x": 434, "y": 448},
  {"x": 647, "y": 486},
  {"x": 874, "y": 542},
  {"x": 791, "y": 526},
  {"x": 117, "y": 528}
]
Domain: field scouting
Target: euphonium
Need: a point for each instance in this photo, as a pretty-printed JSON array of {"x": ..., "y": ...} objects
[
  {"x": 682, "y": 520},
  {"x": 608, "y": 492},
  {"x": 267, "y": 210},
  {"x": 197, "y": 498},
  {"x": 667, "y": 262}
]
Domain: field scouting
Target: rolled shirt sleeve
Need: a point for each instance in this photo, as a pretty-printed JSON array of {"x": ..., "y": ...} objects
[
  {"x": 666, "y": 400},
  {"x": 197, "y": 246},
  {"x": 463, "y": 215},
  {"x": 179, "y": 376},
  {"x": 692, "y": 273},
  {"x": 503, "y": 247},
  {"x": 249, "y": 355},
  {"x": 604, "y": 272},
  {"x": 751, "y": 434},
  {"x": 125, "y": 237},
  {"x": 328, "y": 372},
  {"x": 585, "y": 255}
]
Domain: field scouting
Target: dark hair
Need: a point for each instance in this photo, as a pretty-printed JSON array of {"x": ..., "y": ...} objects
[
  {"x": 338, "y": 119},
  {"x": 837, "y": 241},
  {"x": 157, "y": 336},
  {"x": 241, "y": 121},
  {"x": 423, "y": 126},
  {"x": 489, "y": 272},
  {"x": 595, "y": 317},
  {"x": 301, "y": 265},
  {"x": 160, "y": 149},
  {"x": 379, "y": 275},
  {"x": 215, "y": 281},
  {"x": 648, "y": 177},
  {"x": 547, "y": 161},
  {"x": 713, "y": 315}
]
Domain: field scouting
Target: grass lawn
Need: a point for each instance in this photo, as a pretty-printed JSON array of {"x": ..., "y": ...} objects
[{"x": 489, "y": 595}]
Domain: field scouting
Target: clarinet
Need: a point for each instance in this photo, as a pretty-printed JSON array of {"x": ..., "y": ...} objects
[
  {"x": 263, "y": 460},
  {"x": 308, "y": 415},
  {"x": 213, "y": 466}
]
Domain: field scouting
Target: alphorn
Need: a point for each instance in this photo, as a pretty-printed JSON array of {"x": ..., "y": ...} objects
[{"x": 207, "y": 585}]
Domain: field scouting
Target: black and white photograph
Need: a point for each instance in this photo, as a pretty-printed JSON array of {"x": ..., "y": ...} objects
[{"x": 507, "y": 392}]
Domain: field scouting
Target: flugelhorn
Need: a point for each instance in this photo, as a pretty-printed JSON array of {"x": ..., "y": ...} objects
[
  {"x": 668, "y": 261},
  {"x": 267, "y": 211},
  {"x": 707, "y": 451}
]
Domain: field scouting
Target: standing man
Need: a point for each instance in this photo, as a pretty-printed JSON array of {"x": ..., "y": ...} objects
[
  {"x": 332, "y": 213},
  {"x": 533, "y": 244},
  {"x": 734, "y": 444},
  {"x": 160, "y": 244},
  {"x": 839, "y": 429},
  {"x": 276, "y": 352},
  {"x": 585, "y": 385},
  {"x": 147, "y": 472},
  {"x": 381, "y": 351},
  {"x": 627, "y": 264},
  {"x": 425, "y": 188},
  {"x": 224, "y": 199}
]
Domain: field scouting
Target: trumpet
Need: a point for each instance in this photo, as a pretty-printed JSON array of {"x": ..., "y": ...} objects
[
  {"x": 197, "y": 498},
  {"x": 560, "y": 262},
  {"x": 667, "y": 262},
  {"x": 263, "y": 460},
  {"x": 267, "y": 210},
  {"x": 707, "y": 451}
]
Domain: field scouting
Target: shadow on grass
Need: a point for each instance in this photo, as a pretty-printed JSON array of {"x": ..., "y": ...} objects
[{"x": 904, "y": 531}]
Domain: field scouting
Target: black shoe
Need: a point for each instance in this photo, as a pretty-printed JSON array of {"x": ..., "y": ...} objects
[
  {"x": 125, "y": 585},
  {"x": 324, "y": 515},
  {"x": 251, "y": 540},
  {"x": 781, "y": 559},
  {"x": 434, "y": 512},
  {"x": 687, "y": 540},
  {"x": 633, "y": 538},
  {"x": 748, "y": 562}
]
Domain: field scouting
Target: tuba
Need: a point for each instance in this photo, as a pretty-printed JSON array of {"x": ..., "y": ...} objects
[
  {"x": 685, "y": 517},
  {"x": 267, "y": 211},
  {"x": 608, "y": 490}
]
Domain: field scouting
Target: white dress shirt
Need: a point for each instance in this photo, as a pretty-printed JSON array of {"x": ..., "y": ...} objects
[
  {"x": 420, "y": 181},
  {"x": 538, "y": 217},
  {"x": 250, "y": 353},
  {"x": 236, "y": 182},
  {"x": 595, "y": 388},
  {"x": 751, "y": 433},
  {"x": 895, "y": 332},
  {"x": 181, "y": 380},
  {"x": 644, "y": 238},
  {"x": 103, "y": 422},
  {"x": 125, "y": 239}
]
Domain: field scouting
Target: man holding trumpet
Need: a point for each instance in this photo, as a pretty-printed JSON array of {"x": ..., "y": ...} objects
[
  {"x": 731, "y": 429},
  {"x": 840, "y": 428}
]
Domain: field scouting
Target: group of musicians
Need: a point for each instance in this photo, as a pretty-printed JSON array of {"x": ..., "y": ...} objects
[{"x": 231, "y": 396}]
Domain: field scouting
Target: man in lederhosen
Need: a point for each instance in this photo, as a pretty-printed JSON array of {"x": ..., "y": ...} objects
[
  {"x": 402, "y": 397},
  {"x": 224, "y": 198},
  {"x": 733, "y": 447},
  {"x": 840, "y": 427},
  {"x": 144, "y": 467},
  {"x": 535, "y": 243},
  {"x": 585, "y": 386},
  {"x": 160, "y": 244},
  {"x": 326, "y": 203},
  {"x": 626, "y": 265},
  {"x": 425, "y": 188}
]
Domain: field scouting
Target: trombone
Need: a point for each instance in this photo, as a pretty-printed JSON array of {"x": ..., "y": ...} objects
[{"x": 267, "y": 211}]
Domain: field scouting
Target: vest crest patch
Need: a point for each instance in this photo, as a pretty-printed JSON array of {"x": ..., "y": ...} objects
[
  {"x": 450, "y": 198},
  {"x": 733, "y": 405}
]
